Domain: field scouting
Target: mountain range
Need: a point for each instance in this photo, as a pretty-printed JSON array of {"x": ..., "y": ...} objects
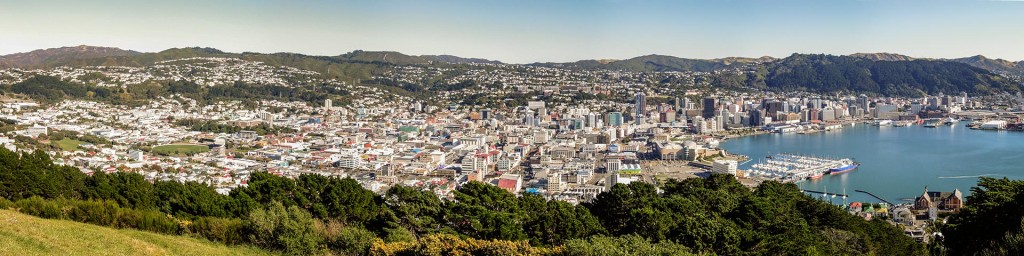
[{"x": 880, "y": 73}]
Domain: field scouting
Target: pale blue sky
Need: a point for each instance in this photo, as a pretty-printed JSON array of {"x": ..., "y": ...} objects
[{"x": 526, "y": 31}]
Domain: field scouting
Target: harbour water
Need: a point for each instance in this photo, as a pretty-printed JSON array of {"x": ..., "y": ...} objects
[{"x": 897, "y": 162}]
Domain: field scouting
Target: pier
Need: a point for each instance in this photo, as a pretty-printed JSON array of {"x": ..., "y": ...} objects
[
  {"x": 826, "y": 193},
  {"x": 876, "y": 197}
]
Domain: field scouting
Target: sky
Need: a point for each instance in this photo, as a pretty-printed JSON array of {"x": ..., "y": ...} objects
[{"x": 526, "y": 31}]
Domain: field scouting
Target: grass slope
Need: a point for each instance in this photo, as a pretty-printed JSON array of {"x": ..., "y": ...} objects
[
  {"x": 22, "y": 234},
  {"x": 68, "y": 144}
]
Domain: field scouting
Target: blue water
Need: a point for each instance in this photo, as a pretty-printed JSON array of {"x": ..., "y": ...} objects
[{"x": 898, "y": 162}]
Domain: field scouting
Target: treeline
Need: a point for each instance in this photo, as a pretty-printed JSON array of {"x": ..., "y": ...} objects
[
  {"x": 316, "y": 214},
  {"x": 216, "y": 127},
  {"x": 48, "y": 89}
]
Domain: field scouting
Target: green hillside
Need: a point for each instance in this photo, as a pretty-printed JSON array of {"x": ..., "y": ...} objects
[
  {"x": 22, "y": 234},
  {"x": 658, "y": 63},
  {"x": 829, "y": 74}
]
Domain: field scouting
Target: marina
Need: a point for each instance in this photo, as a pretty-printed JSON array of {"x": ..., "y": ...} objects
[{"x": 795, "y": 168}]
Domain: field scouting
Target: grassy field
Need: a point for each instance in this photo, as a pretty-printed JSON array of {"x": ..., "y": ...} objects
[
  {"x": 68, "y": 144},
  {"x": 22, "y": 234},
  {"x": 180, "y": 149}
]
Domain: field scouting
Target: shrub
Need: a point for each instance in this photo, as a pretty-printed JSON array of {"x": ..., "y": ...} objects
[
  {"x": 6, "y": 204},
  {"x": 447, "y": 244},
  {"x": 154, "y": 221},
  {"x": 225, "y": 230},
  {"x": 39, "y": 207},
  {"x": 102, "y": 213},
  {"x": 286, "y": 229},
  {"x": 345, "y": 240}
]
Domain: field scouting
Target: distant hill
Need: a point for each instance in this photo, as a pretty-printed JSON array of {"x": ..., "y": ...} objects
[
  {"x": 28, "y": 235},
  {"x": 994, "y": 65},
  {"x": 390, "y": 57},
  {"x": 830, "y": 73},
  {"x": 659, "y": 63},
  {"x": 882, "y": 56},
  {"x": 56, "y": 56},
  {"x": 353, "y": 66},
  {"x": 460, "y": 60}
]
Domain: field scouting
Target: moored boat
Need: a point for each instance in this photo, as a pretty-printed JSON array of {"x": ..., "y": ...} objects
[
  {"x": 950, "y": 121},
  {"x": 816, "y": 176}
]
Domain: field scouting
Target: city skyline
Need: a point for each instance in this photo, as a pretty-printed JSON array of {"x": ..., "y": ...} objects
[{"x": 526, "y": 32}]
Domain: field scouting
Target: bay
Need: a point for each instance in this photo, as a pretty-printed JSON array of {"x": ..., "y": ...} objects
[{"x": 897, "y": 162}]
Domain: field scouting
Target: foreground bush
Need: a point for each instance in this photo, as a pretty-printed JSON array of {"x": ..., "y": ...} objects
[
  {"x": 103, "y": 213},
  {"x": 445, "y": 244},
  {"x": 622, "y": 246}
]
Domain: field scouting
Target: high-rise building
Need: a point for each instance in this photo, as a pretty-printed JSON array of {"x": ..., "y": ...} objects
[
  {"x": 755, "y": 118},
  {"x": 613, "y": 165},
  {"x": 328, "y": 104},
  {"x": 592, "y": 120},
  {"x": 613, "y": 119},
  {"x": 864, "y": 103},
  {"x": 773, "y": 108},
  {"x": 641, "y": 105},
  {"x": 668, "y": 116},
  {"x": 555, "y": 182},
  {"x": 709, "y": 107}
]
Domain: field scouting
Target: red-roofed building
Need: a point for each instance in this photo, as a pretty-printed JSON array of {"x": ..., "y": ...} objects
[
  {"x": 855, "y": 206},
  {"x": 511, "y": 183}
]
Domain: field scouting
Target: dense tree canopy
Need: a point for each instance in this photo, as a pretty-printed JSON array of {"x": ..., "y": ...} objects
[
  {"x": 992, "y": 223},
  {"x": 313, "y": 213}
]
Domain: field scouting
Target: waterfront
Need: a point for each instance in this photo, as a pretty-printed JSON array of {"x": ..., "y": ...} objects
[{"x": 897, "y": 162}]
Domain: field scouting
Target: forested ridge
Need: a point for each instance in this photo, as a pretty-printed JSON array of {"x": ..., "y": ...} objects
[
  {"x": 316, "y": 214},
  {"x": 850, "y": 74}
]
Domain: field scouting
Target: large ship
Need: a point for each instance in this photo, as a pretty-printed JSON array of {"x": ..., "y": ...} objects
[
  {"x": 884, "y": 122},
  {"x": 846, "y": 167}
]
